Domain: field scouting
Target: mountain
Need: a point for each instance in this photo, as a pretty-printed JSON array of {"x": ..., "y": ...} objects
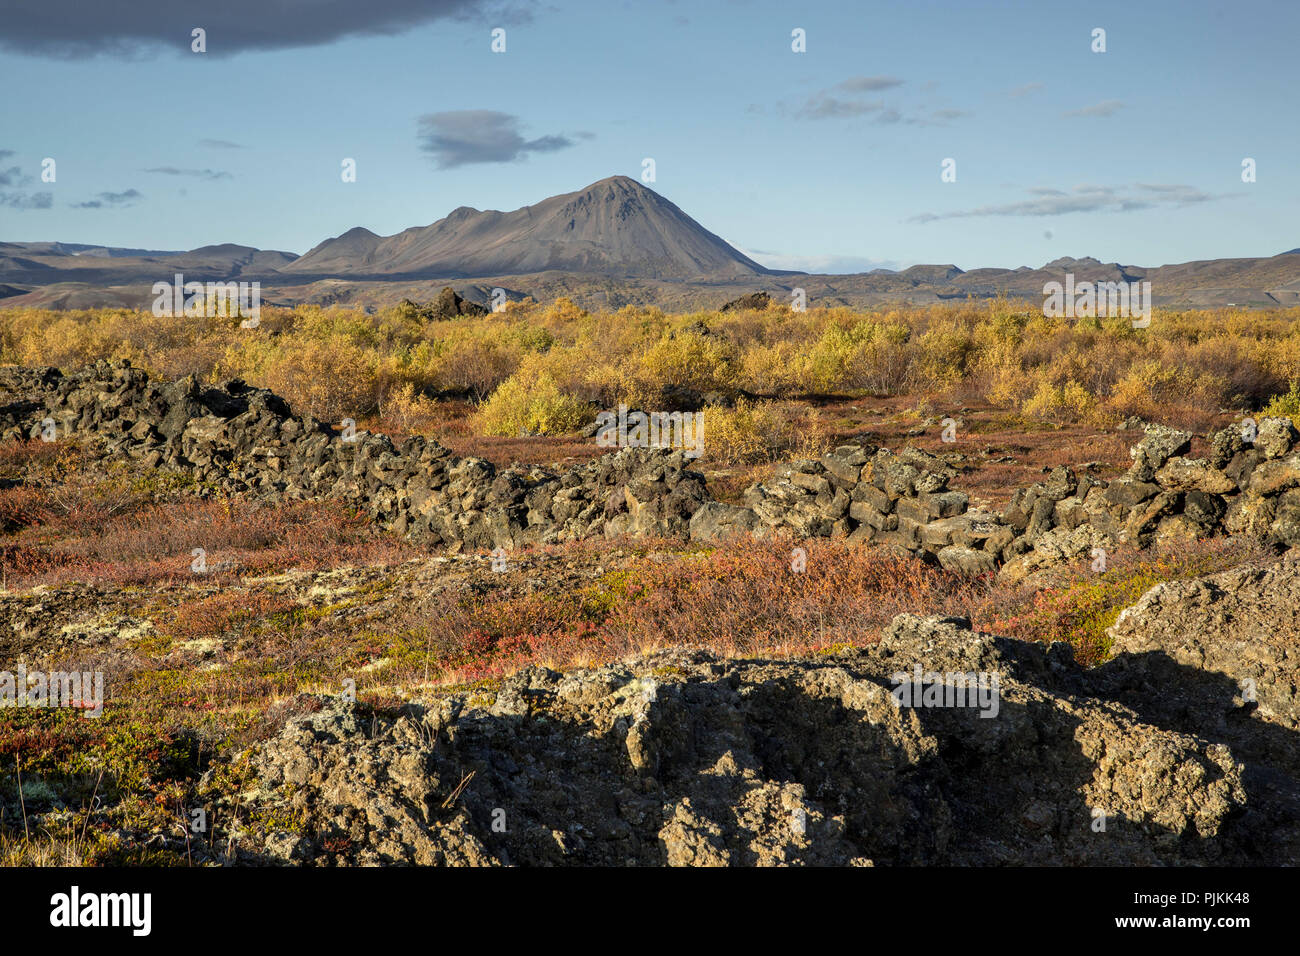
[
  {"x": 230, "y": 259},
  {"x": 615, "y": 227},
  {"x": 82, "y": 249},
  {"x": 611, "y": 244},
  {"x": 49, "y": 263}
]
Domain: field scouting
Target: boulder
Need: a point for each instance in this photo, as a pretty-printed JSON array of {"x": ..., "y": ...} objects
[
  {"x": 967, "y": 560},
  {"x": 716, "y": 521},
  {"x": 1273, "y": 476},
  {"x": 1275, "y": 437},
  {"x": 1129, "y": 492},
  {"x": 1194, "y": 474},
  {"x": 1159, "y": 444}
]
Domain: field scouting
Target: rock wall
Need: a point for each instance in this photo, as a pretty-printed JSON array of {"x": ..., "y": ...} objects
[
  {"x": 235, "y": 438},
  {"x": 903, "y": 500}
]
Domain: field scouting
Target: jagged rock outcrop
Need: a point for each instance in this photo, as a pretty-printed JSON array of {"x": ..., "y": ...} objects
[
  {"x": 755, "y": 300},
  {"x": 684, "y": 758},
  {"x": 1240, "y": 631},
  {"x": 448, "y": 305}
]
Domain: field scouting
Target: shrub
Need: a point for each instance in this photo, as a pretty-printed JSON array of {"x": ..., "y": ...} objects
[
  {"x": 340, "y": 361},
  {"x": 760, "y": 432},
  {"x": 475, "y": 365},
  {"x": 691, "y": 360},
  {"x": 1286, "y": 405},
  {"x": 329, "y": 379},
  {"x": 1061, "y": 403},
  {"x": 409, "y": 410},
  {"x": 770, "y": 369},
  {"x": 530, "y": 402}
]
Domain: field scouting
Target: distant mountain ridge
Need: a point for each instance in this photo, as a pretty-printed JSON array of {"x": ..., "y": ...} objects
[
  {"x": 224, "y": 260},
  {"x": 613, "y": 243}
]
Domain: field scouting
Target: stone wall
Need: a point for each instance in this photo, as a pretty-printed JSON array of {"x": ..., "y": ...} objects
[
  {"x": 234, "y": 438},
  {"x": 903, "y": 500}
]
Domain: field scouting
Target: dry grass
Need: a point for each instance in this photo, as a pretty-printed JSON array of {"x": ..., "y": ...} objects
[
  {"x": 548, "y": 368},
  {"x": 133, "y": 530}
]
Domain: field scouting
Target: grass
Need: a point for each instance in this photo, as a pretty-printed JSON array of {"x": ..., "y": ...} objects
[{"x": 143, "y": 529}]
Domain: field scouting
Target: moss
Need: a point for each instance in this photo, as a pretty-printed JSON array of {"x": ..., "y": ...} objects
[
  {"x": 839, "y": 647},
  {"x": 153, "y": 643},
  {"x": 72, "y": 756},
  {"x": 670, "y": 670},
  {"x": 280, "y": 818},
  {"x": 229, "y": 776},
  {"x": 116, "y": 853},
  {"x": 601, "y": 599},
  {"x": 483, "y": 686}
]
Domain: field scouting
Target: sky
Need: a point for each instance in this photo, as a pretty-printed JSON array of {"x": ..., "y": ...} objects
[{"x": 831, "y": 159}]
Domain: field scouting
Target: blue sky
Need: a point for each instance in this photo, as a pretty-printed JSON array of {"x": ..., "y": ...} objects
[{"x": 823, "y": 160}]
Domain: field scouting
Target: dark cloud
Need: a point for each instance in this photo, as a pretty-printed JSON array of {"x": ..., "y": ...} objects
[
  {"x": 845, "y": 101},
  {"x": 111, "y": 200},
  {"x": 132, "y": 28},
  {"x": 463, "y": 137},
  {"x": 869, "y": 84},
  {"x": 13, "y": 176},
  {"x": 27, "y": 200},
  {"x": 831, "y": 104},
  {"x": 1104, "y": 108},
  {"x": 193, "y": 173},
  {"x": 1059, "y": 202},
  {"x": 220, "y": 144},
  {"x": 1026, "y": 89},
  {"x": 822, "y": 106}
]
